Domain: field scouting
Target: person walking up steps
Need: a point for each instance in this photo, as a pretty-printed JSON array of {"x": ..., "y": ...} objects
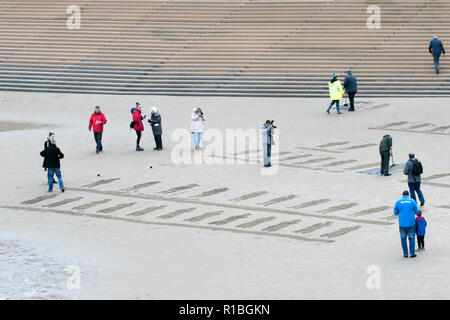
[
  {"x": 336, "y": 93},
  {"x": 138, "y": 125},
  {"x": 197, "y": 126},
  {"x": 436, "y": 48},
  {"x": 155, "y": 122},
  {"x": 52, "y": 155},
  {"x": 51, "y": 136},
  {"x": 413, "y": 169},
  {"x": 421, "y": 226},
  {"x": 385, "y": 153},
  {"x": 406, "y": 209},
  {"x": 351, "y": 88},
  {"x": 96, "y": 123}
]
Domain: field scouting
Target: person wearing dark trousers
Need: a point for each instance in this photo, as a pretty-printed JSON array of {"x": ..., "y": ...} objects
[
  {"x": 138, "y": 125},
  {"x": 351, "y": 88},
  {"x": 385, "y": 153},
  {"x": 436, "y": 48},
  {"x": 406, "y": 210},
  {"x": 421, "y": 225},
  {"x": 155, "y": 122},
  {"x": 47, "y": 142},
  {"x": 96, "y": 123},
  {"x": 52, "y": 156},
  {"x": 413, "y": 169}
]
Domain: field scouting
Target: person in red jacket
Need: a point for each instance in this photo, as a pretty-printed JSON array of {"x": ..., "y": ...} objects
[
  {"x": 96, "y": 122},
  {"x": 138, "y": 125}
]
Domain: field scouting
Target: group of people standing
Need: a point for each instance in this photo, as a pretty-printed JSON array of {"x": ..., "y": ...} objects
[{"x": 337, "y": 91}]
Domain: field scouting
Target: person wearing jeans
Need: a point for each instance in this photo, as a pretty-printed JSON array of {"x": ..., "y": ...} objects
[
  {"x": 336, "y": 93},
  {"x": 436, "y": 48},
  {"x": 267, "y": 141},
  {"x": 406, "y": 209},
  {"x": 197, "y": 126},
  {"x": 52, "y": 156},
  {"x": 96, "y": 123},
  {"x": 413, "y": 180}
]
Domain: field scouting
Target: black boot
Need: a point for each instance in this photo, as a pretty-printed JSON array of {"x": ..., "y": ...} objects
[{"x": 139, "y": 148}]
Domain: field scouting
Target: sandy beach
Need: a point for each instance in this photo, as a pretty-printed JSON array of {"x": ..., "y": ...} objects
[{"x": 311, "y": 230}]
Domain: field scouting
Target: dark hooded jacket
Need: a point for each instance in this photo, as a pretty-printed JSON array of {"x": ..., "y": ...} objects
[{"x": 52, "y": 155}]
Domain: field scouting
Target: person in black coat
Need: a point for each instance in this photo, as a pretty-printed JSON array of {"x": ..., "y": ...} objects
[
  {"x": 52, "y": 155},
  {"x": 351, "y": 87},
  {"x": 436, "y": 48},
  {"x": 155, "y": 122},
  {"x": 51, "y": 136}
]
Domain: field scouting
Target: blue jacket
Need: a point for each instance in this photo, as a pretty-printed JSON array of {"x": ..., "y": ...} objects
[
  {"x": 436, "y": 47},
  {"x": 421, "y": 225},
  {"x": 406, "y": 209}
]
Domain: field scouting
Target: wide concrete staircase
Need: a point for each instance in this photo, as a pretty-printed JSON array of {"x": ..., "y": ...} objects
[{"x": 222, "y": 47}]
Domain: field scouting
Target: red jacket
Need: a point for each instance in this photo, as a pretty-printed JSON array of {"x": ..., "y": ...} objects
[
  {"x": 97, "y": 117},
  {"x": 138, "y": 119}
]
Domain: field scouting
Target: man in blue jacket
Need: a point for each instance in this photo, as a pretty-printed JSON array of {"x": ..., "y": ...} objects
[
  {"x": 436, "y": 48},
  {"x": 406, "y": 209}
]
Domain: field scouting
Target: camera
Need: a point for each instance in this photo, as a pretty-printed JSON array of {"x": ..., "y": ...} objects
[{"x": 271, "y": 123}]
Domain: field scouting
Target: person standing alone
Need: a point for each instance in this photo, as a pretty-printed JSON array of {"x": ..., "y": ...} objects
[
  {"x": 155, "y": 122},
  {"x": 406, "y": 209},
  {"x": 351, "y": 88},
  {"x": 413, "y": 169},
  {"x": 197, "y": 126},
  {"x": 96, "y": 123},
  {"x": 385, "y": 153},
  {"x": 138, "y": 125},
  {"x": 51, "y": 136},
  {"x": 436, "y": 48},
  {"x": 336, "y": 93},
  {"x": 52, "y": 155},
  {"x": 267, "y": 141}
]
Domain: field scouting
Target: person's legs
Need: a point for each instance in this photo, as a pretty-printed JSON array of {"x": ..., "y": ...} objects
[
  {"x": 199, "y": 138},
  {"x": 331, "y": 104},
  {"x": 403, "y": 234},
  {"x": 99, "y": 143},
  {"x": 412, "y": 243},
  {"x": 269, "y": 152},
  {"x": 436, "y": 61},
  {"x": 420, "y": 242},
  {"x": 58, "y": 174},
  {"x": 382, "y": 163},
  {"x": 138, "y": 140},
  {"x": 156, "y": 141},
  {"x": 50, "y": 173},
  {"x": 196, "y": 139},
  {"x": 265, "y": 151},
  {"x": 419, "y": 192},
  {"x": 351, "y": 97},
  {"x": 337, "y": 107},
  {"x": 385, "y": 162},
  {"x": 159, "y": 142},
  {"x": 412, "y": 190}
]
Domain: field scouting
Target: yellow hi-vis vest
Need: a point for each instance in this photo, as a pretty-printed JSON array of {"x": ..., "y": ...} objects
[{"x": 336, "y": 91}]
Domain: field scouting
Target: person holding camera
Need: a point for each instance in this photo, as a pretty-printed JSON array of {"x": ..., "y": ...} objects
[
  {"x": 267, "y": 140},
  {"x": 138, "y": 126},
  {"x": 197, "y": 126},
  {"x": 155, "y": 122},
  {"x": 96, "y": 123}
]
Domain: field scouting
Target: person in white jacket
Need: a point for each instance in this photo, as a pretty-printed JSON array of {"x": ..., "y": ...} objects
[{"x": 197, "y": 126}]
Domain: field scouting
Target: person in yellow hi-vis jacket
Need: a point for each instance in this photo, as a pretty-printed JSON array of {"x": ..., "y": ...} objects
[{"x": 336, "y": 92}]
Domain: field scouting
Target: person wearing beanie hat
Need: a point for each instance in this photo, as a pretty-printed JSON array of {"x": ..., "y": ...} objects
[
  {"x": 47, "y": 143},
  {"x": 436, "y": 48},
  {"x": 96, "y": 123},
  {"x": 155, "y": 122},
  {"x": 336, "y": 92},
  {"x": 52, "y": 155}
]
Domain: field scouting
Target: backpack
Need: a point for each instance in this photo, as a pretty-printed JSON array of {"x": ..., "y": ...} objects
[
  {"x": 132, "y": 123},
  {"x": 417, "y": 168}
]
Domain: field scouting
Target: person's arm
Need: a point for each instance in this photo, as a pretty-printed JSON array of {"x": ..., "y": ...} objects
[
  {"x": 346, "y": 82},
  {"x": 195, "y": 116},
  {"x": 103, "y": 119},
  {"x": 396, "y": 211},
  {"x": 90, "y": 123},
  {"x": 43, "y": 153},
  {"x": 443, "y": 50},
  {"x": 406, "y": 170},
  {"x": 60, "y": 154},
  {"x": 416, "y": 208},
  {"x": 429, "y": 48}
]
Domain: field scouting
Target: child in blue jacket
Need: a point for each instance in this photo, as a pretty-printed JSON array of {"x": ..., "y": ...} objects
[{"x": 421, "y": 225}]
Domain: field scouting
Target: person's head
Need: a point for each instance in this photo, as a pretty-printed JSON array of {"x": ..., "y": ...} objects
[
  {"x": 419, "y": 213},
  {"x": 349, "y": 72},
  {"x": 406, "y": 193},
  {"x": 97, "y": 109},
  {"x": 334, "y": 75},
  {"x": 199, "y": 110},
  {"x": 50, "y": 134},
  {"x": 411, "y": 155},
  {"x": 267, "y": 123},
  {"x": 434, "y": 36},
  {"x": 138, "y": 106},
  {"x": 154, "y": 110}
]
